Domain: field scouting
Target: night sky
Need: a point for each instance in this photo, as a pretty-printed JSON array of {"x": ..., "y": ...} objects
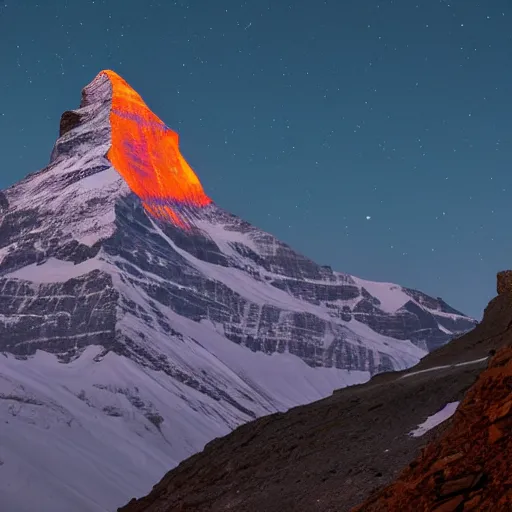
[{"x": 373, "y": 136}]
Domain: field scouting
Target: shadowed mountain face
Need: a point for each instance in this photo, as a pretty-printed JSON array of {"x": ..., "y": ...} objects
[
  {"x": 331, "y": 454},
  {"x": 139, "y": 320}
]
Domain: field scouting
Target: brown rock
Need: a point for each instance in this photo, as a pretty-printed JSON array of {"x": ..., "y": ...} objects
[
  {"x": 506, "y": 501},
  {"x": 473, "y": 503},
  {"x": 495, "y": 434},
  {"x": 457, "y": 486},
  {"x": 450, "y": 505},
  {"x": 500, "y": 412},
  {"x": 68, "y": 121},
  {"x": 442, "y": 463},
  {"x": 504, "y": 282}
]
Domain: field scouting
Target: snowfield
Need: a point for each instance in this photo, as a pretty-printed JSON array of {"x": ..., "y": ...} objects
[
  {"x": 436, "y": 419},
  {"x": 87, "y": 436}
]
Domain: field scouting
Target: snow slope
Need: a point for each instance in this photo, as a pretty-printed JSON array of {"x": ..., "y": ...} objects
[
  {"x": 436, "y": 419},
  {"x": 77, "y": 436}
]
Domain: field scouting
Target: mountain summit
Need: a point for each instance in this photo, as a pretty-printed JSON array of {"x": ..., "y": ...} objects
[
  {"x": 145, "y": 152},
  {"x": 139, "y": 320}
]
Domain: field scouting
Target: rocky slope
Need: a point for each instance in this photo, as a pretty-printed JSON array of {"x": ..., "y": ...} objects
[
  {"x": 330, "y": 455},
  {"x": 139, "y": 320},
  {"x": 469, "y": 466}
]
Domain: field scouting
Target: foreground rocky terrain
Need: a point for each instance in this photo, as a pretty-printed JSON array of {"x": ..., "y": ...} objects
[
  {"x": 469, "y": 466},
  {"x": 333, "y": 454}
]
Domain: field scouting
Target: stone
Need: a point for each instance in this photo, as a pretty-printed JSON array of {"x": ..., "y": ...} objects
[
  {"x": 450, "y": 505},
  {"x": 442, "y": 463},
  {"x": 495, "y": 434},
  {"x": 473, "y": 502},
  {"x": 68, "y": 121},
  {"x": 501, "y": 412},
  {"x": 504, "y": 282},
  {"x": 457, "y": 486}
]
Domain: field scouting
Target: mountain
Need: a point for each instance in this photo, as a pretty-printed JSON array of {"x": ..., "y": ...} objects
[
  {"x": 139, "y": 320},
  {"x": 330, "y": 455}
]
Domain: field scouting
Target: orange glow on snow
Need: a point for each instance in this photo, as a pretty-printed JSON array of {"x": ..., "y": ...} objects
[{"x": 146, "y": 154}]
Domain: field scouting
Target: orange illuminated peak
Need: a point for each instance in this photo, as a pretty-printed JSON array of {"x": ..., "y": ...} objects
[{"x": 146, "y": 154}]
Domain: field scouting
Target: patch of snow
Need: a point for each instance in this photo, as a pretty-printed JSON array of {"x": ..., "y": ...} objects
[
  {"x": 224, "y": 237},
  {"x": 55, "y": 271},
  {"x": 443, "y": 329},
  {"x": 436, "y": 419},
  {"x": 391, "y": 296},
  {"x": 434, "y": 368},
  {"x": 84, "y": 446},
  {"x": 437, "y": 312}
]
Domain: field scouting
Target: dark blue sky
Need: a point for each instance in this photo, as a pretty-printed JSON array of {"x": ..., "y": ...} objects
[{"x": 304, "y": 117}]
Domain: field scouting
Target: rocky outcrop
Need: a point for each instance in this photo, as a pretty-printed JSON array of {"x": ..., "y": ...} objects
[
  {"x": 469, "y": 467},
  {"x": 504, "y": 282},
  {"x": 68, "y": 121}
]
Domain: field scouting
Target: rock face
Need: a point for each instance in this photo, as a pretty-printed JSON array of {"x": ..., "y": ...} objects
[
  {"x": 332, "y": 454},
  {"x": 180, "y": 320},
  {"x": 469, "y": 467},
  {"x": 504, "y": 282}
]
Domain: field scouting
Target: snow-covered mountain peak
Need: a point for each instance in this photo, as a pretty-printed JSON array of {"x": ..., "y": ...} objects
[
  {"x": 139, "y": 146},
  {"x": 118, "y": 198},
  {"x": 133, "y": 306},
  {"x": 111, "y": 146}
]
